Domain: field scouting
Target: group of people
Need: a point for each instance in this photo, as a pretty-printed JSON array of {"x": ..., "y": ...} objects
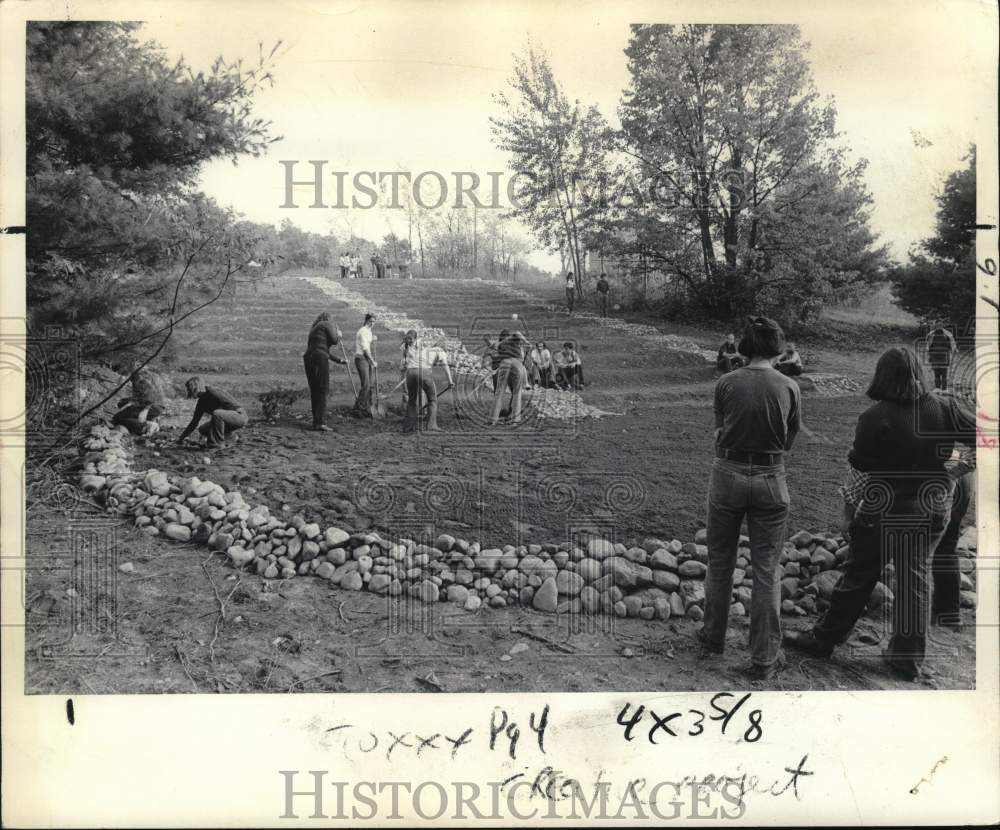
[
  {"x": 905, "y": 495},
  {"x": 352, "y": 267},
  {"x": 603, "y": 288},
  {"x": 542, "y": 369},
  {"x": 788, "y": 362}
]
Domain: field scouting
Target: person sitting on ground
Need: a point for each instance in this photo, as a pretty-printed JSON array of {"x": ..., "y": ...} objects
[
  {"x": 729, "y": 358},
  {"x": 540, "y": 369},
  {"x": 510, "y": 375},
  {"x": 416, "y": 366},
  {"x": 138, "y": 418},
  {"x": 789, "y": 363},
  {"x": 225, "y": 414},
  {"x": 603, "y": 287},
  {"x": 898, "y": 502},
  {"x": 569, "y": 369}
]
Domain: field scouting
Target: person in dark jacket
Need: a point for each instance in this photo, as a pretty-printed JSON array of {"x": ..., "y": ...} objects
[
  {"x": 323, "y": 336},
  {"x": 897, "y": 504},
  {"x": 225, "y": 414},
  {"x": 510, "y": 374},
  {"x": 757, "y": 416},
  {"x": 941, "y": 349},
  {"x": 603, "y": 287},
  {"x": 946, "y": 603}
]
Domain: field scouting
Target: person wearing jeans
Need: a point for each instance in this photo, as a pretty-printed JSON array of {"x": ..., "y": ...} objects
[
  {"x": 226, "y": 415},
  {"x": 417, "y": 366},
  {"x": 897, "y": 506},
  {"x": 946, "y": 605},
  {"x": 757, "y": 416},
  {"x": 364, "y": 362},
  {"x": 512, "y": 375}
]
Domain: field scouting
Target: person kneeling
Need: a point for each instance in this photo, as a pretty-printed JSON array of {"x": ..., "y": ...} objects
[{"x": 225, "y": 414}]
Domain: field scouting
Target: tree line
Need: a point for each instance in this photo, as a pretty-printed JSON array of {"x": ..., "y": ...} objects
[{"x": 727, "y": 180}]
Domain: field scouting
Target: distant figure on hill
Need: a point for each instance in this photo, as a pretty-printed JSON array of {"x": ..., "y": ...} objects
[
  {"x": 729, "y": 358},
  {"x": 355, "y": 266},
  {"x": 570, "y": 291},
  {"x": 789, "y": 363},
  {"x": 345, "y": 264},
  {"x": 941, "y": 349},
  {"x": 226, "y": 415},
  {"x": 602, "y": 294}
]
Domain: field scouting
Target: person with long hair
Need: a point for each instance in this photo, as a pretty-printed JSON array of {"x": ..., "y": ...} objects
[
  {"x": 365, "y": 363},
  {"x": 417, "y": 364},
  {"x": 323, "y": 336},
  {"x": 897, "y": 505},
  {"x": 757, "y": 416}
]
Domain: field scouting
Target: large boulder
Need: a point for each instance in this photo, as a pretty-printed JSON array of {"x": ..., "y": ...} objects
[
  {"x": 692, "y": 569},
  {"x": 600, "y": 549},
  {"x": 666, "y": 580},
  {"x": 546, "y": 598},
  {"x": 627, "y": 575},
  {"x": 589, "y": 569},
  {"x": 663, "y": 559},
  {"x": 569, "y": 583}
]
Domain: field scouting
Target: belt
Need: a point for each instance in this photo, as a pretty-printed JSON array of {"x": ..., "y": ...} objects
[{"x": 761, "y": 459}]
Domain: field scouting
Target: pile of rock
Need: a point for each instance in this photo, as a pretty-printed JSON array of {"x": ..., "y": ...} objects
[
  {"x": 552, "y": 404},
  {"x": 653, "y": 580}
]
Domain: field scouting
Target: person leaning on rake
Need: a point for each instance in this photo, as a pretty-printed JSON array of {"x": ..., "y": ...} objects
[
  {"x": 226, "y": 415},
  {"x": 323, "y": 335},
  {"x": 416, "y": 366}
]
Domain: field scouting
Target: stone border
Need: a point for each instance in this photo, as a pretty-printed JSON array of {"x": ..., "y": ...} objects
[{"x": 654, "y": 579}]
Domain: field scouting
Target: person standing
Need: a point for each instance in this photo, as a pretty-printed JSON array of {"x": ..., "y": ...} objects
[
  {"x": 225, "y": 414},
  {"x": 364, "y": 362},
  {"x": 380, "y": 265},
  {"x": 345, "y": 263},
  {"x": 941, "y": 349},
  {"x": 728, "y": 358},
  {"x": 898, "y": 502},
  {"x": 570, "y": 291},
  {"x": 417, "y": 366},
  {"x": 602, "y": 294},
  {"x": 789, "y": 363},
  {"x": 373, "y": 259},
  {"x": 510, "y": 375},
  {"x": 757, "y": 416},
  {"x": 323, "y": 335}
]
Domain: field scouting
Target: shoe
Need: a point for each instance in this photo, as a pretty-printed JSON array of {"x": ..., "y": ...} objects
[
  {"x": 809, "y": 643},
  {"x": 707, "y": 646},
  {"x": 322, "y": 428},
  {"x": 906, "y": 670},
  {"x": 758, "y": 671}
]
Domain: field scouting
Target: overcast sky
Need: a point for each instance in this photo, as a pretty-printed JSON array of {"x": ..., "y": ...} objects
[{"x": 409, "y": 86}]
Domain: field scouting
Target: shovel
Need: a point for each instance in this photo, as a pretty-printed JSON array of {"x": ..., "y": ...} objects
[{"x": 376, "y": 409}]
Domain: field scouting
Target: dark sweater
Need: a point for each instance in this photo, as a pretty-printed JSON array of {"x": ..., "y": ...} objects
[
  {"x": 905, "y": 444},
  {"x": 208, "y": 401},
  {"x": 757, "y": 409}
]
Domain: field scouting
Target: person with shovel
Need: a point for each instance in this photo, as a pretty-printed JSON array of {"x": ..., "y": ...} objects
[
  {"x": 364, "y": 362},
  {"x": 512, "y": 375},
  {"x": 417, "y": 365},
  {"x": 323, "y": 336}
]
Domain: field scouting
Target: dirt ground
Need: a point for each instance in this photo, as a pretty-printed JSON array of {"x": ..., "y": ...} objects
[{"x": 181, "y": 620}]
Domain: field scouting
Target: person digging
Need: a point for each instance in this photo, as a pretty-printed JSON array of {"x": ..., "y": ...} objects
[{"x": 417, "y": 365}]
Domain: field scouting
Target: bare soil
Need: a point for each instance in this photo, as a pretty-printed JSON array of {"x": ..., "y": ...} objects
[{"x": 183, "y": 621}]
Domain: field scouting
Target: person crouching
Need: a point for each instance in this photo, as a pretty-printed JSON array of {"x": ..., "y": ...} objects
[
  {"x": 416, "y": 365},
  {"x": 226, "y": 415}
]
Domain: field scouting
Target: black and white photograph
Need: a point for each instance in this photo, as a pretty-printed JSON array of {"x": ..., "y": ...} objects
[{"x": 451, "y": 348}]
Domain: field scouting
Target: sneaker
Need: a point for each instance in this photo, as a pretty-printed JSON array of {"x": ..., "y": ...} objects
[
  {"x": 322, "y": 428},
  {"x": 808, "y": 642}
]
